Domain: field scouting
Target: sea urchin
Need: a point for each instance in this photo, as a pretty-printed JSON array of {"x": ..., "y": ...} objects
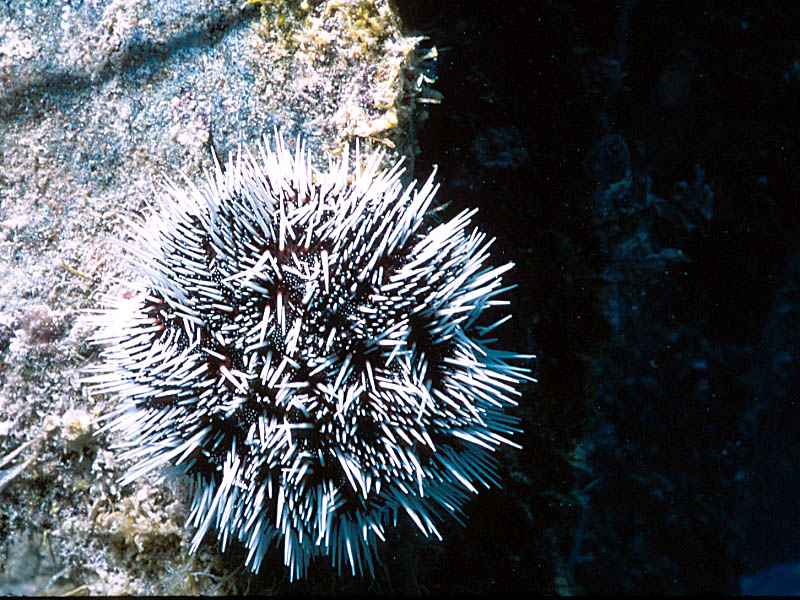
[{"x": 307, "y": 348}]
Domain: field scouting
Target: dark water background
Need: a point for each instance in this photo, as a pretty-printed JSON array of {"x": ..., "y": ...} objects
[{"x": 640, "y": 162}]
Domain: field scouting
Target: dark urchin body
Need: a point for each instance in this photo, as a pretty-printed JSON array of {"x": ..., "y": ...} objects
[{"x": 307, "y": 350}]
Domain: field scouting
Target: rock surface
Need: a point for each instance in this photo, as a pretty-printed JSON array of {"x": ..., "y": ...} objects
[{"x": 99, "y": 101}]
